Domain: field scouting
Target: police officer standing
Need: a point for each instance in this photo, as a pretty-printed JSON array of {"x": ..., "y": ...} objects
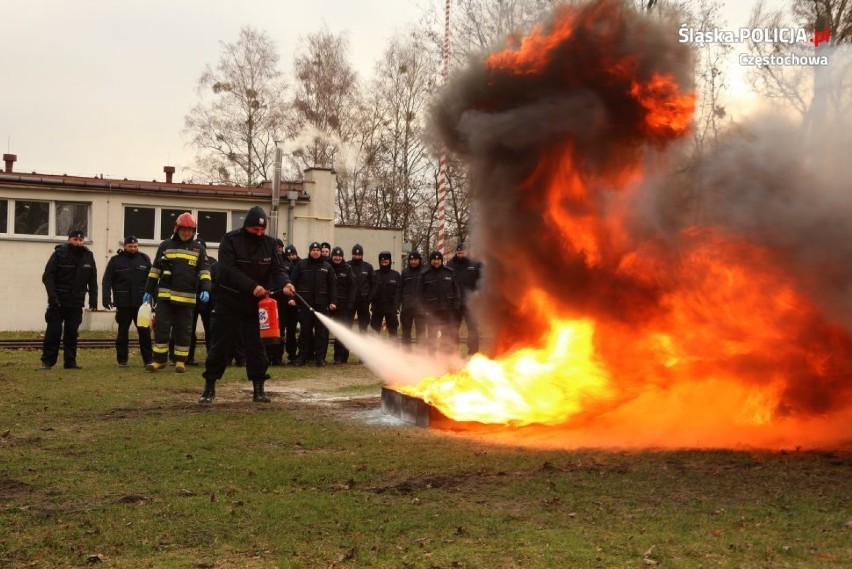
[
  {"x": 383, "y": 298},
  {"x": 249, "y": 269},
  {"x": 345, "y": 300},
  {"x": 410, "y": 314},
  {"x": 325, "y": 251},
  {"x": 315, "y": 283},
  {"x": 275, "y": 352},
  {"x": 290, "y": 322},
  {"x": 180, "y": 269},
  {"x": 467, "y": 273},
  {"x": 439, "y": 294},
  {"x": 363, "y": 286},
  {"x": 122, "y": 288},
  {"x": 69, "y": 274}
]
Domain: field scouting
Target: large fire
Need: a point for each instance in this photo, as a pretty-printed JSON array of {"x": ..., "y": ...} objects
[{"x": 689, "y": 336}]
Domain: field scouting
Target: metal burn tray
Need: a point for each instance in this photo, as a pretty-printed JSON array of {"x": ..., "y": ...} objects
[{"x": 418, "y": 412}]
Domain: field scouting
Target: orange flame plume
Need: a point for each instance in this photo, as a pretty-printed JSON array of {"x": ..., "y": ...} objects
[{"x": 610, "y": 331}]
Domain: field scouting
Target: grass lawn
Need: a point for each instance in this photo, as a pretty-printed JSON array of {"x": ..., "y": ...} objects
[{"x": 120, "y": 468}]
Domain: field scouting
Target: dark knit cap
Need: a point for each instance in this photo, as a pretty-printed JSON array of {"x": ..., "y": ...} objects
[{"x": 255, "y": 217}]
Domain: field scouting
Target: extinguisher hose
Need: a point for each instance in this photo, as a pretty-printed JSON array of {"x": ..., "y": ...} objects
[{"x": 305, "y": 302}]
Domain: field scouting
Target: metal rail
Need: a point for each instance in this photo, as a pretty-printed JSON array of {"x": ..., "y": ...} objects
[{"x": 36, "y": 343}]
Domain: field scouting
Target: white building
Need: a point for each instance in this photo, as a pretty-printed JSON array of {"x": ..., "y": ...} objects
[{"x": 37, "y": 211}]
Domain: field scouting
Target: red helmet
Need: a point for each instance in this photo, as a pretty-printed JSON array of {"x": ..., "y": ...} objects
[{"x": 185, "y": 220}]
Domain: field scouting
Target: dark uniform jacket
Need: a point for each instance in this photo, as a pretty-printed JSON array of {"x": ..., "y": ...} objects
[
  {"x": 246, "y": 261},
  {"x": 467, "y": 274},
  {"x": 180, "y": 270},
  {"x": 288, "y": 264},
  {"x": 383, "y": 297},
  {"x": 69, "y": 274},
  {"x": 406, "y": 295},
  {"x": 438, "y": 291},
  {"x": 124, "y": 279},
  {"x": 363, "y": 279},
  {"x": 345, "y": 299},
  {"x": 315, "y": 282}
]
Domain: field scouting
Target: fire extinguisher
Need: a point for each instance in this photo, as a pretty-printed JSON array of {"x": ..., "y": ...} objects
[{"x": 267, "y": 312}]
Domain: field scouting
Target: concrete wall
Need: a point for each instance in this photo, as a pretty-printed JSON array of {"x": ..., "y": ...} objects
[
  {"x": 373, "y": 240},
  {"x": 315, "y": 222}
]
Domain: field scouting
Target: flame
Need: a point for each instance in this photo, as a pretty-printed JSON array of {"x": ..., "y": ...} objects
[
  {"x": 615, "y": 335},
  {"x": 546, "y": 386},
  {"x": 535, "y": 50},
  {"x": 668, "y": 112}
]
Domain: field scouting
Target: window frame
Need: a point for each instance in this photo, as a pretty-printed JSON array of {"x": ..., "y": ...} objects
[
  {"x": 158, "y": 209},
  {"x": 52, "y": 235}
]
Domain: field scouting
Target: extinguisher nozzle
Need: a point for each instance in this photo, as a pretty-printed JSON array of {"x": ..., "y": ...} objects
[{"x": 305, "y": 302}]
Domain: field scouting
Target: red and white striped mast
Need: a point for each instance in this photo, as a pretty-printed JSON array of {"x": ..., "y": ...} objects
[{"x": 442, "y": 164}]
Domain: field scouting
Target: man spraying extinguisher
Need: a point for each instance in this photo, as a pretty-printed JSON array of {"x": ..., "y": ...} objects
[{"x": 249, "y": 270}]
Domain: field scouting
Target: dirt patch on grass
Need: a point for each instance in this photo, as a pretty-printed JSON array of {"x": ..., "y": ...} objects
[
  {"x": 325, "y": 390},
  {"x": 12, "y": 490}
]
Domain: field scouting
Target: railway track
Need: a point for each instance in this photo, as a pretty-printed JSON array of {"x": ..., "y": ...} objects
[{"x": 35, "y": 343}]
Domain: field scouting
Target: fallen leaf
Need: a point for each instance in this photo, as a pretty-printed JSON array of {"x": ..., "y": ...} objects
[{"x": 347, "y": 555}]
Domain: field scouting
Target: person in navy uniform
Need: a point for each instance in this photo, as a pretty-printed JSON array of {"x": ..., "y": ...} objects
[
  {"x": 363, "y": 286},
  {"x": 440, "y": 299},
  {"x": 70, "y": 273},
  {"x": 315, "y": 282},
  {"x": 122, "y": 287},
  {"x": 290, "y": 323},
  {"x": 467, "y": 272},
  {"x": 410, "y": 313},
  {"x": 345, "y": 301},
  {"x": 383, "y": 298}
]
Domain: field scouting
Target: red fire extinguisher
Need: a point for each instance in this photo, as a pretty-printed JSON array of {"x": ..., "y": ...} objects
[{"x": 267, "y": 311}]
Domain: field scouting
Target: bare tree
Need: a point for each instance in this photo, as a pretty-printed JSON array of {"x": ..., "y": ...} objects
[
  {"x": 403, "y": 87},
  {"x": 326, "y": 94},
  {"x": 241, "y": 112},
  {"x": 836, "y": 15},
  {"x": 818, "y": 92}
]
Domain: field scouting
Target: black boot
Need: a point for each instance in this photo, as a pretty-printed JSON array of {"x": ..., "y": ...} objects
[
  {"x": 209, "y": 392},
  {"x": 259, "y": 394}
]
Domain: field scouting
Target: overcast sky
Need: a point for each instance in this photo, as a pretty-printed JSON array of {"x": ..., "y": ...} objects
[{"x": 102, "y": 86}]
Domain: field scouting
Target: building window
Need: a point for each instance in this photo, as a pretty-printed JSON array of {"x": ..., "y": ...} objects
[
  {"x": 139, "y": 222},
  {"x": 31, "y": 217},
  {"x": 167, "y": 221},
  {"x": 70, "y": 215},
  {"x": 212, "y": 225},
  {"x": 237, "y": 218},
  {"x": 150, "y": 223},
  {"x": 43, "y": 218}
]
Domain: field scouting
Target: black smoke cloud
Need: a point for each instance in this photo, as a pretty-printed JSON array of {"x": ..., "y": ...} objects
[{"x": 503, "y": 121}]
